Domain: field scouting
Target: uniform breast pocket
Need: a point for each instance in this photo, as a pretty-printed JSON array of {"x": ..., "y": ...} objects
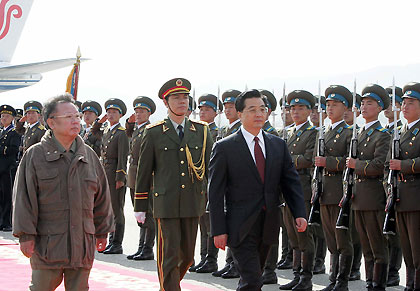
[
  {"x": 48, "y": 185},
  {"x": 195, "y": 149}
]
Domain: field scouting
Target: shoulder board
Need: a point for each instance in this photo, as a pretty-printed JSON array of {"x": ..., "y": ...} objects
[
  {"x": 199, "y": 122},
  {"x": 270, "y": 129},
  {"x": 415, "y": 131},
  {"x": 348, "y": 126},
  {"x": 41, "y": 127},
  {"x": 380, "y": 128},
  {"x": 214, "y": 127},
  {"x": 121, "y": 128},
  {"x": 340, "y": 129},
  {"x": 311, "y": 127},
  {"x": 155, "y": 124}
]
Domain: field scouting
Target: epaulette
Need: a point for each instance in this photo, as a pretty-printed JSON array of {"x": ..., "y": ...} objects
[
  {"x": 199, "y": 122},
  {"x": 214, "y": 127},
  {"x": 121, "y": 128},
  {"x": 311, "y": 127},
  {"x": 270, "y": 129},
  {"x": 41, "y": 127},
  {"x": 381, "y": 129},
  {"x": 155, "y": 124},
  {"x": 348, "y": 126}
]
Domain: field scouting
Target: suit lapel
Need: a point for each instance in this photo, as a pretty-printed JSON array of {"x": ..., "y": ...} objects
[
  {"x": 170, "y": 131},
  {"x": 244, "y": 150}
]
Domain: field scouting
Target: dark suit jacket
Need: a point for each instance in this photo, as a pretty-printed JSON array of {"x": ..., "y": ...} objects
[
  {"x": 234, "y": 177},
  {"x": 9, "y": 148}
]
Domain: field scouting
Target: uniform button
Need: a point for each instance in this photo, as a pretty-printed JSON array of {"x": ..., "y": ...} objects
[
  {"x": 182, "y": 162},
  {"x": 361, "y": 153},
  {"x": 294, "y": 144},
  {"x": 196, "y": 147},
  {"x": 181, "y": 149},
  {"x": 55, "y": 152},
  {"x": 165, "y": 149},
  {"x": 182, "y": 174},
  {"x": 291, "y": 153},
  {"x": 360, "y": 180},
  {"x": 29, "y": 137},
  {"x": 183, "y": 186},
  {"x": 156, "y": 194},
  {"x": 406, "y": 153}
]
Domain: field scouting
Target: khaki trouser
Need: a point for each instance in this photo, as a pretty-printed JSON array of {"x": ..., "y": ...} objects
[{"x": 50, "y": 279}]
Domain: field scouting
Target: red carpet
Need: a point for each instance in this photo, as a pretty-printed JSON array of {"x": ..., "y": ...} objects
[{"x": 15, "y": 274}]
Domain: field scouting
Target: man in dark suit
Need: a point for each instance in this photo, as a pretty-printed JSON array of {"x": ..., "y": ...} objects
[{"x": 249, "y": 170}]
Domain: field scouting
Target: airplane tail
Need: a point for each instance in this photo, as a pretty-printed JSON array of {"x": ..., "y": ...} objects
[{"x": 13, "y": 15}]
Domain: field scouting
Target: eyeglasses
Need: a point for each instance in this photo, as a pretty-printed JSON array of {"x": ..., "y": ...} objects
[
  {"x": 76, "y": 116},
  {"x": 254, "y": 111}
]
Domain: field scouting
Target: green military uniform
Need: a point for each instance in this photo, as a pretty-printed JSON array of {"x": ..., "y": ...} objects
[
  {"x": 92, "y": 138},
  {"x": 408, "y": 207},
  {"x": 34, "y": 132},
  {"x": 135, "y": 133},
  {"x": 114, "y": 153},
  {"x": 337, "y": 143},
  {"x": 178, "y": 158},
  {"x": 369, "y": 198}
]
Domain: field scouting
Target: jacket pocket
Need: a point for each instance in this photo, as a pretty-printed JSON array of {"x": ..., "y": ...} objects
[{"x": 49, "y": 185}]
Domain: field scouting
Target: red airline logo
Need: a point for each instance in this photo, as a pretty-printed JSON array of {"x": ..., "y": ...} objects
[{"x": 5, "y": 16}]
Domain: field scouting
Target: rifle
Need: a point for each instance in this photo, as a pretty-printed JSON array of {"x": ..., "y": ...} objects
[
  {"x": 317, "y": 187},
  {"x": 219, "y": 116},
  {"x": 283, "y": 108},
  {"x": 194, "y": 113},
  {"x": 392, "y": 181},
  {"x": 343, "y": 220}
]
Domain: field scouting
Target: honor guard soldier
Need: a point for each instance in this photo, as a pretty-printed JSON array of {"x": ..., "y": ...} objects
[
  {"x": 314, "y": 117},
  {"x": 208, "y": 252},
  {"x": 369, "y": 197},
  {"x": 337, "y": 143},
  {"x": 19, "y": 125},
  {"x": 35, "y": 130},
  {"x": 407, "y": 206},
  {"x": 301, "y": 143},
  {"x": 176, "y": 151},
  {"x": 272, "y": 105},
  {"x": 9, "y": 148},
  {"x": 348, "y": 115},
  {"x": 91, "y": 111},
  {"x": 394, "y": 245},
  {"x": 135, "y": 126},
  {"x": 229, "y": 97},
  {"x": 114, "y": 153}
]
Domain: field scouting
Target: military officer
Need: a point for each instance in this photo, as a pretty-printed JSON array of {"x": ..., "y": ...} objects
[
  {"x": 394, "y": 245},
  {"x": 208, "y": 264},
  {"x": 301, "y": 143},
  {"x": 271, "y": 103},
  {"x": 408, "y": 207},
  {"x": 19, "y": 125},
  {"x": 369, "y": 197},
  {"x": 135, "y": 126},
  {"x": 91, "y": 111},
  {"x": 314, "y": 117},
  {"x": 177, "y": 151},
  {"x": 337, "y": 142},
  {"x": 114, "y": 153},
  {"x": 35, "y": 130},
  {"x": 9, "y": 148},
  {"x": 229, "y": 271}
]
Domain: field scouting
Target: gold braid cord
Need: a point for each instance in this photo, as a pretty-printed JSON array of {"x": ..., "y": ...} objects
[{"x": 197, "y": 169}]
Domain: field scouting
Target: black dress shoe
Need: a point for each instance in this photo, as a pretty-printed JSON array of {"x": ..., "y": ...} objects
[
  {"x": 195, "y": 267},
  {"x": 207, "y": 267},
  {"x": 354, "y": 275},
  {"x": 145, "y": 256},
  {"x": 113, "y": 250},
  {"x": 106, "y": 248},
  {"x": 319, "y": 269},
  {"x": 393, "y": 281},
  {"x": 220, "y": 272},
  {"x": 231, "y": 273},
  {"x": 7, "y": 228},
  {"x": 290, "y": 285},
  {"x": 131, "y": 257},
  {"x": 286, "y": 265},
  {"x": 269, "y": 278}
]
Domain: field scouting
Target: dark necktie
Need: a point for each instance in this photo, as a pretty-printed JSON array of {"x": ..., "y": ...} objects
[
  {"x": 259, "y": 158},
  {"x": 180, "y": 132}
]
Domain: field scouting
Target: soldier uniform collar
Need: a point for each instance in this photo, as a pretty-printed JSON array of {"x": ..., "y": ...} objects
[
  {"x": 233, "y": 123},
  {"x": 411, "y": 124},
  {"x": 32, "y": 125},
  {"x": 140, "y": 125},
  {"x": 112, "y": 127},
  {"x": 297, "y": 127},
  {"x": 335, "y": 124},
  {"x": 367, "y": 125},
  {"x": 175, "y": 125}
]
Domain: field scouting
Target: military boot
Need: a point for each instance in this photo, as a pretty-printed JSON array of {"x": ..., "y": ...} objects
[
  {"x": 357, "y": 258},
  {"x": 210, "y": 264},
  {"x": 147, "y": 252},
  {"x": 344, "y": 268},
  {"x": 116, "y": 246},
  {"x": 110, "y": 239},
  {"x": 333, "y": 272},
  {"x": 305, "y": 281},
  {"x": 296, "y": 271},
  {"x": 417, "y": 280},
  {"x": 321, "y": 251},
  {"x": 395, "y": 260},
  {"x": 140, "y": 248},
  {"x": 369, "y": 274},
  {"x": 410, "y": 273},
  {"x": 380, "y": 275}
]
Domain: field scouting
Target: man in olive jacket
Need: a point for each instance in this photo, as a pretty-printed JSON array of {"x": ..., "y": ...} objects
[{"x": 62, "y": 205}]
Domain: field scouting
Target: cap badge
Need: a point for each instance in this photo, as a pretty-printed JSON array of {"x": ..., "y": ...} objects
[
  {"x": 297, "y": 100},
  {"x": 179, "y": 82},
  {"x": 333, "y": 95}
]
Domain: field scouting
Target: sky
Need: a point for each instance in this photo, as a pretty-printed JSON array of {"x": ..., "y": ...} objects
[{"x": 136, "y": 46}]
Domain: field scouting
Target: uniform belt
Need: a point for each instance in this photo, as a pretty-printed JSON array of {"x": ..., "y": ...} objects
[{"x": 331, "y": 174}]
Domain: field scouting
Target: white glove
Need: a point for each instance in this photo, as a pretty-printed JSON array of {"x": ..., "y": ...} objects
[{"x": 140, "y": 216}]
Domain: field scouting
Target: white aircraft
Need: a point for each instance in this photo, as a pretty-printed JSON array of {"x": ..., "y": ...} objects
[{"x": 13, "y": 15}]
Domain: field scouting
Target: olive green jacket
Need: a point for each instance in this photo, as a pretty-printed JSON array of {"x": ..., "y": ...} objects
[
  {"x": 228, "y": 131},
  {"x": 33, "y": 135},
  {"x": 270, "y": 129},
  {"x": 177, "y": 192}
]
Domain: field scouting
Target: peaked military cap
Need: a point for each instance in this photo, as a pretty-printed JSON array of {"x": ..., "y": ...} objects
[
  {"x": 378, "y": 93},
  {"x": 301, "y": 97},
  {"x": 412, "y": 90},
  {"x": 230, "y": 96},
  {"x": 78, "y": 104},
  {"x": 19, "y": 112},
  {"x": 398, "y": 94},
  {"x": 323, "y": 102},
  {"x": 144, "y": 102},
  {"x": 116, "y": 103},
  {"x": 32, "y": 106},
  {"x": 93, "y": 106},
  {"x": 192, "y": 105},
  {"x": 339, "y": 93},
  {"x": 271, "y": 99},
  {"x": 210, "y": 100},
  {"x": 281, "y": 103},
  {"x": 175, "y": 86},
  {"x": 8, "y": 110}
]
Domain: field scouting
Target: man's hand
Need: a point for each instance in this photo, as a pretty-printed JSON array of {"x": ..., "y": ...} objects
[
  {"x": 132, "y": 118},
  {"x": 320, "y": 161},
  {"x": 103, "y": 119},
  {"x": 140, "y": 217},
  {"x": 351, "y": 163},
  {"x": 395, "y": 165},
  {"x": 23, "y": 119},
  {"x": 27, "y": 248},
  {"x": 100, "y": 244},
  {"x": 119, "y": 184},
  {"x": 220, "y": 241},
  {"x": 301, "y": 224}
]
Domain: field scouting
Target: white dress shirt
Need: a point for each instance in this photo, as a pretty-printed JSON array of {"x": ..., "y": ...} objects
[{"x": 249, "y": 138}]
